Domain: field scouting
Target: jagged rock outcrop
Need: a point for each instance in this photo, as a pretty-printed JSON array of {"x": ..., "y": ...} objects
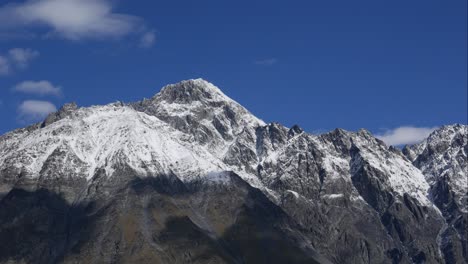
[
  {"x": 190, "y": 176},
  {"x": 63, "y": 112}
]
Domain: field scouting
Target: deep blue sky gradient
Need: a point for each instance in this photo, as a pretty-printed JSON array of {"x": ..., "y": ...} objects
[{"x": 347, "y": 64}]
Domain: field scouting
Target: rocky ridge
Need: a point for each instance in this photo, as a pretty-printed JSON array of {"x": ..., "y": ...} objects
[{"x": 129, "y": 177}]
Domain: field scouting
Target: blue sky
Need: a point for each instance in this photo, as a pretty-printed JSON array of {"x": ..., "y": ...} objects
[{"x": 397, "y": 68}]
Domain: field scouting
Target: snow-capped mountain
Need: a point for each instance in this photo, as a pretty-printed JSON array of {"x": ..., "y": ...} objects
[{"x": 191, "y": 176}]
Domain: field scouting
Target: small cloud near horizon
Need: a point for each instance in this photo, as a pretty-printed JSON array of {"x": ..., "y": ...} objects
[
  {"x": 266, "y": 62},
  {"x": 405, "y": 135},
  {"x": 41, "y": 88},
  {"x": 34, "y": 110}
]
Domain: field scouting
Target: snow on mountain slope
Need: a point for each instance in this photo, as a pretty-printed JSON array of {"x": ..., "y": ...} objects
[
  {"x": 192, "y": 129},
  {"x": 101, "y": 137},
  {"x": 403, "y": 177},
  {"x": 295, "y": 160},
  {"x": 443, "y": 157}
]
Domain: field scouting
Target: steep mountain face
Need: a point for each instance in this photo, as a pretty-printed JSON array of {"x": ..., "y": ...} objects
[
  {"x": 443, "y": 159},
  {"x": 191, "y": 176}
]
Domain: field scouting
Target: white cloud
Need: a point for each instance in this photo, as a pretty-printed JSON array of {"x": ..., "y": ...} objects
[
  {"x": 405, "y": 135},
  {"x": 32, "y": 110},
  {"x": 72, "y": 19},
  {"x": 266, "y": 62},
  {"x": 22, "y": 57},
  {"x": 148, "y": 39},
  {"x": 16, "y": 58},
  {"x": 38, "y": 87}
]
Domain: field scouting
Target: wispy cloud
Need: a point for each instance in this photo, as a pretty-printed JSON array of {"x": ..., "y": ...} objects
[
  {"x": 72, "y": 19},
  {"x": 38, "y": 87},
  {"x": 266, "y": 62},
  {"x": 16, "y": 58},
  {"x": 22, "y": 57},
  {"x": 32, "y": 110},
  {"x": 148, "y": 39},
  {"x": 405, "y": 135},
  {"x": 319, "y": 131},
  {"x": 4, "y": 66}
]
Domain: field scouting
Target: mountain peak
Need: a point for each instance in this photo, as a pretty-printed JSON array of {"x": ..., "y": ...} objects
[
  {"x": 195, "y": 99},
  {"x": 200, "y": 110},
  {"x": 449, "y": 129},
  {"x": 191, "y": 90}
]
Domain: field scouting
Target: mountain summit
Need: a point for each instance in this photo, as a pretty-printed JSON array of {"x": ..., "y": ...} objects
[
  {"x": 191, "y": 176},
  {"x": 190, "y": 91}
]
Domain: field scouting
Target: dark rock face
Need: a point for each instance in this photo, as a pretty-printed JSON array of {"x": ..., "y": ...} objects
[
  {"x": 34, "y": 226},
  {"x": 160, "y": 220},
  {"x": 170, "y": 180}
]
